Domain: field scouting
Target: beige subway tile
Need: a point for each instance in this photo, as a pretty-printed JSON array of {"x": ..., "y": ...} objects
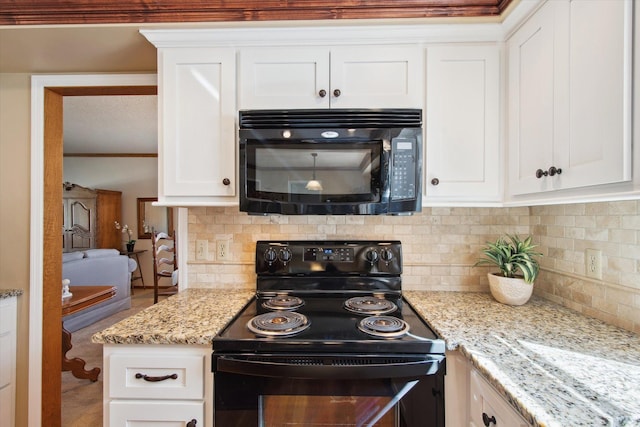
[
  {"x": 626, "y": 207},
  {"x": 600, "y": 208}
]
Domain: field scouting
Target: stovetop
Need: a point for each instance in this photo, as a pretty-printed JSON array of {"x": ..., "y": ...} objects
[
  {"x": 333, "y": 329},
  {"x": 325, "y": 274}
]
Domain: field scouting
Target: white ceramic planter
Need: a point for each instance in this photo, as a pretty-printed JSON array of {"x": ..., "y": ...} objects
[{"x": 509, "y": 290}]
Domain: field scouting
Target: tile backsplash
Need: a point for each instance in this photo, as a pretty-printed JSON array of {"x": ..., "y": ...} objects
[{"x": 440, "y": 246}]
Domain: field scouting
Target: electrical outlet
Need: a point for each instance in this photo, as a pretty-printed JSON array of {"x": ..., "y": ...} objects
[
  {"x": 222, "y": 250},
  {"x": 202, "y": 250},
  {"x": 594, "y": 263}
]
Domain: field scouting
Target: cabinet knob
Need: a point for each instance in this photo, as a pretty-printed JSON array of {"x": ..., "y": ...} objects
[
  {"x": 226, "y": 181},
  {"x": 553, "y": 171},
  {"x": 322, "y": 93},
  {"x": 488, "y": 420},
  {"x": 435, "y": 181},
  {"x": 540, "y": 173},
  {"x": 336, "y": 93},
  {"x": 192, "y": 423}
]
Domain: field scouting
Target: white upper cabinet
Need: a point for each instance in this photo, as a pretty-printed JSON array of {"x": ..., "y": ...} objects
[
  {"x": 196, "y": 150},
  {"x": 462, "y": 145},
  {"x": 293, "y": 77},
  {"x": 337, "y": 77},
  {"x": 570, "y": 97}
]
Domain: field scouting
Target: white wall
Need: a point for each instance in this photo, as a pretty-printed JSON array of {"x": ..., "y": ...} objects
[{"x": 134, "y": 176}]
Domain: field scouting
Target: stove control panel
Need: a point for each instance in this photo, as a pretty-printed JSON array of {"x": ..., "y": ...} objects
[
  {"x": 309, "y": 258},
  {"x": 329, "y": 254}
]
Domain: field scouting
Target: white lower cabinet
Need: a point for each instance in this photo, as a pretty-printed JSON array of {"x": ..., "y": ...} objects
[
  {"x": 471, "y": 401},
  {"x": 153, "y": 385},
  {"x": 456, "y": 390},
  {"x": 151, "y": 414},
  {"x": 8, "y": 326},
  {"x": 488, "y": 408}
]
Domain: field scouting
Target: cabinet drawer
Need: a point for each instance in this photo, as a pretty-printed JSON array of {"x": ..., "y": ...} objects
[
  {"x": 149, "y": 413},
  {"x": 185, "y": 376}
]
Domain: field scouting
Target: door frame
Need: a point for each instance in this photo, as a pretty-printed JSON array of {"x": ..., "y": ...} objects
[{"x": 63, "y": 85}]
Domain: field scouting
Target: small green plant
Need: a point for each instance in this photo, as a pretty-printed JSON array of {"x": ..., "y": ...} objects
[{"x": 513, "y": 256}]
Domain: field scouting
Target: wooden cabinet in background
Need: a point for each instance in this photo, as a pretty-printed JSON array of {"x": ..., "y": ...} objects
[{"x": 88, "y": 218}]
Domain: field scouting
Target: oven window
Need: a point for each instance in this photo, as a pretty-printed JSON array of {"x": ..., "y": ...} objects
[
  {"x": 327, "y": 411},
  {"x": 315, "y": 173}
]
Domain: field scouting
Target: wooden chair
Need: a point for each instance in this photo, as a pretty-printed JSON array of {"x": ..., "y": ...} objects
[{"x": 165, "y": 264}]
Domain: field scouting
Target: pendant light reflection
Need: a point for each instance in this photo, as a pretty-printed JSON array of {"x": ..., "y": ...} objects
[{"x": 314, "y": 184}]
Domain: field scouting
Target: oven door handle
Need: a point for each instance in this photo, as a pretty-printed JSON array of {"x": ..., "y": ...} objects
[{"x": 266, "y": 368}]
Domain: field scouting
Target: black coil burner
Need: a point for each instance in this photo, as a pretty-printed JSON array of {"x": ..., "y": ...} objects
[
  {"x": 369, "y": 305},
  {"x": 283, "y": 302},
  {"x": 278, "y": 323},
  {"x": 384, "y": 326}
]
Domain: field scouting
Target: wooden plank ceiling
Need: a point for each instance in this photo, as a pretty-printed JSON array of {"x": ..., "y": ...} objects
[{"x": 47, "y": 12}]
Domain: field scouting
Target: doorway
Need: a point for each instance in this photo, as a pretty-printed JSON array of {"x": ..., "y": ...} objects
[{"x": 46, "y": 219}]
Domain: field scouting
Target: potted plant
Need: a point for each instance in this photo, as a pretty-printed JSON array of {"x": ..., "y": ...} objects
[
  {"x": 130, "y": 243},
  {"x": 515, "y": 258}
]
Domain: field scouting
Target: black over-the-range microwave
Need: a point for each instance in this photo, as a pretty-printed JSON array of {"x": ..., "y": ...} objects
[{"x": 322, "y": 162}]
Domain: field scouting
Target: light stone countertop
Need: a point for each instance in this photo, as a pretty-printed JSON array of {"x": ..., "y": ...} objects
[
  {"x": 193, "y": 316},
  {"x": 556, "y": 366},
  {"x": 8, "y": 293}
]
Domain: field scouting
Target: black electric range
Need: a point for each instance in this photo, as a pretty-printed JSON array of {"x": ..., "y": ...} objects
[{"x": 328, "y": 328}]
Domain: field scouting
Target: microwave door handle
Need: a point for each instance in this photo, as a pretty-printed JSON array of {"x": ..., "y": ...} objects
[{"x": 264, "y": 368}]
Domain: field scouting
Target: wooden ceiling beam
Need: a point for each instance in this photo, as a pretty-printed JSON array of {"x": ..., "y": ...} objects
[{"x": 48, "y": 12}]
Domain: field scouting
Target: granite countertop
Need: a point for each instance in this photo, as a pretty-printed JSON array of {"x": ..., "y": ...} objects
[
  {"x": 8, "y": 293},
  {"x": 556, "y": 366},
  {"x": 193, "y": 316}
]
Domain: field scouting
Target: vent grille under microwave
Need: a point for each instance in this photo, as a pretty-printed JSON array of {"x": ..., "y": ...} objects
[{"x": 337, "y": 118}]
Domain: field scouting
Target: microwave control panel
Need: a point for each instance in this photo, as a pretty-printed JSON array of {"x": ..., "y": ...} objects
[{"x": 403, "y": 168}]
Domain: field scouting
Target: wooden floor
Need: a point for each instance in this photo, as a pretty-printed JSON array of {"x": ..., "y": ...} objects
[{"x": 82, "y": 399}]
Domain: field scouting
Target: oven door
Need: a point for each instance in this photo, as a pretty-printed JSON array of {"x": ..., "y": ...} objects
[{"x": 329, "y": 390}]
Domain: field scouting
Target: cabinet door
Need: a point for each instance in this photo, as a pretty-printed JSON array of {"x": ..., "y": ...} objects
[
  {"x": 462, "y": 124},
  {"x": 456, "y": 390},
  {"x": 197, "y": 123},
  {"x": 8, "y": 313},
  {"x": 599, "y": 145},
  {"x": 79, "y": 224},
  {"x": 152, "y": 414},
  {"x": 533, "y": 125},
  {"x": 376, "y": 77},
  {"x": 487, "y": 404},
  {"x": 284, "y": 77}
]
